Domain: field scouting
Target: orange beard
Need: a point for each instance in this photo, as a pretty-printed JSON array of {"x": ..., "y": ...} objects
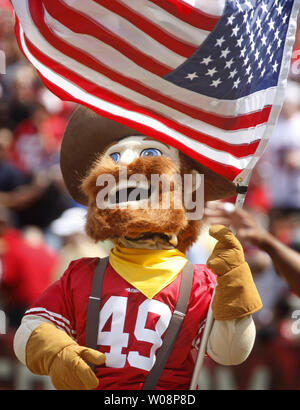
[{"x": 103, "y": 224}]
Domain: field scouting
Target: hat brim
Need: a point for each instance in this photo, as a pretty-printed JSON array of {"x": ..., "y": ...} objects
[{"x": 88, "y": 135}]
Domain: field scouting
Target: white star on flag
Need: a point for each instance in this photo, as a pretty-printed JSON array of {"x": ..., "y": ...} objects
[{"x": 192, "y": 76}]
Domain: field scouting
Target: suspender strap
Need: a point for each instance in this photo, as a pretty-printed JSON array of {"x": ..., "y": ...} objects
[
  {"x": 92, "y": 320},
  {"x": 173, "y": 328}
]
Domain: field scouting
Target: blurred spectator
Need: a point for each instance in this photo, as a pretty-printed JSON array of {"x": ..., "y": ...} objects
[
  {"x": 280, "y": 164},
  {"x": 286, "y": 261},
  {"x": 16, "y": 191},
  {"x": 10, "y": 176},
  {"x": 32, "y": 120},
  {"x": 37, "y": 139},
  {"x": 27, "y": 268},
  {"x": 274, "y": 362},
  {"x": 29, "y": 152},
  {"x": 295, "y": 67},
  {"x": 24, "y": 86},
  {"x": 35, "y": 198},
  {"x": 265, "y": 278},
  {"x": 75, "y": 244},
  {"x": 258, "y": 198}
]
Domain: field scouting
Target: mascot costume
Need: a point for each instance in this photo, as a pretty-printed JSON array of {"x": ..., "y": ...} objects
[{"x": 134, "y": 320}]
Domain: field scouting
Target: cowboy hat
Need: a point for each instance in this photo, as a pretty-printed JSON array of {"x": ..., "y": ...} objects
[{"x": 88, "y": 135}]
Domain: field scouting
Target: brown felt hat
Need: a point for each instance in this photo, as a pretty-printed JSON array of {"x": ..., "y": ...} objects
[{"x": 87, "y": 136}]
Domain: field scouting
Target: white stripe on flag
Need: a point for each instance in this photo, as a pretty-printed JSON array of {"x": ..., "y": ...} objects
[
  {"x": 126, "y": 31},
  {"x": 239, "y": 137},
  {"x": 212, "y": 7},
  {"x": 85, "y": 97},
  {"x": 171, "y": 24}
]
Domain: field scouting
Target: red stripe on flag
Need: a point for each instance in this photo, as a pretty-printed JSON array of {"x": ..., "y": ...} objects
[
  {"x": 227, "y": 171},
  {"x": 145, "y": 25},
  {"x": 239, "y": 151},
  {"x": 78, "y": 23},
  {"x": 187, "y": 13},
  {"x": 18, "y": 35},
  {"x": 222, "y": 122}
]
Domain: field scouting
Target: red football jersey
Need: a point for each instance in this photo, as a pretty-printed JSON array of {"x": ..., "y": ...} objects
[{"x": 131, "y": 327}]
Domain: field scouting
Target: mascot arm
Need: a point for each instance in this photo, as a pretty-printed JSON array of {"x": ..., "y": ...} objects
[
  {"x": 28, "y": 325},
  {"x": 236, "y": 299},
  {"x": 231, "y": 341},
  {"x": 47, "y": 350}
]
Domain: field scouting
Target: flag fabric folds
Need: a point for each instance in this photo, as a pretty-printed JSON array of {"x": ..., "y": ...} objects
[{"x": 208, "y": 79}]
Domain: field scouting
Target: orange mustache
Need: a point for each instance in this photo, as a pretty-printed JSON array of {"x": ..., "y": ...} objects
[{"x": 111, "y": 223}]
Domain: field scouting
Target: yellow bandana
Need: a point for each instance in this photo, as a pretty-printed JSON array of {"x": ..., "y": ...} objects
[{"x": 147, "y": 270}]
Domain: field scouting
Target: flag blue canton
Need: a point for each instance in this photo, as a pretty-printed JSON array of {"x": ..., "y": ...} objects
[{"x": 242, "y": 55}]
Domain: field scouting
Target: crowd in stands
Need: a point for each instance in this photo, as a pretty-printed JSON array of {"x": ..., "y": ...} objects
[{"x": 42, "y": 229}]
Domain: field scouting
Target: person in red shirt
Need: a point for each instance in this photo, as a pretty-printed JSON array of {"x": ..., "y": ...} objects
[{"x": 27, "y": 269}]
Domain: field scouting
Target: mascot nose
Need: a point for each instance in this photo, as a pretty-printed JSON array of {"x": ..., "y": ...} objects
[{"x": 128, "y": 156}]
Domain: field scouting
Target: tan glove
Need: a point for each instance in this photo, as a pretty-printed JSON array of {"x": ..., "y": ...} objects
[
  {"x": 236, "y": 295},
  {"x": 50, "y": 351}
]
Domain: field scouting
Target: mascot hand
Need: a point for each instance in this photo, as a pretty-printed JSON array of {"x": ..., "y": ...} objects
[
  {"x": 50, "y": 351},
  {"x": 236, "y": 295},
  {"x": 228, "y": 252}
]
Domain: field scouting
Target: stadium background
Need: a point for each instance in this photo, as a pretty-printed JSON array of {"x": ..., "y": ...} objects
[{"x": 41, "y": 228}]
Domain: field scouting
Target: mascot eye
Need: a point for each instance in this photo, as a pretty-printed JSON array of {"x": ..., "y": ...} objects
[
  {"x": 151, "y": 152},
  {"x": 115, "y": 156}
]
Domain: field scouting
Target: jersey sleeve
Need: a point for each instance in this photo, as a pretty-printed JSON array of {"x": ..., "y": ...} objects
[{"x": 55, "y": 304}]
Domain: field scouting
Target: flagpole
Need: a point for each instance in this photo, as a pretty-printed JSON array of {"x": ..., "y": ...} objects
[
  {"x": 202, "y": 349},
  {"x": 240, "y": 200}
]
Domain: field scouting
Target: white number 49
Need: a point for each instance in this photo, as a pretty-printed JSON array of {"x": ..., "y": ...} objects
[{"x": 117, "y": 339}]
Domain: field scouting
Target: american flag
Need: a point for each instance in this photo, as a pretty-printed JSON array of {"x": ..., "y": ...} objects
[{"x": 205, "y": 76}]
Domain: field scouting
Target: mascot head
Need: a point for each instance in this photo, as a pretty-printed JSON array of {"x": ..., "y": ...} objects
[{"x": 135, "y": 187}]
